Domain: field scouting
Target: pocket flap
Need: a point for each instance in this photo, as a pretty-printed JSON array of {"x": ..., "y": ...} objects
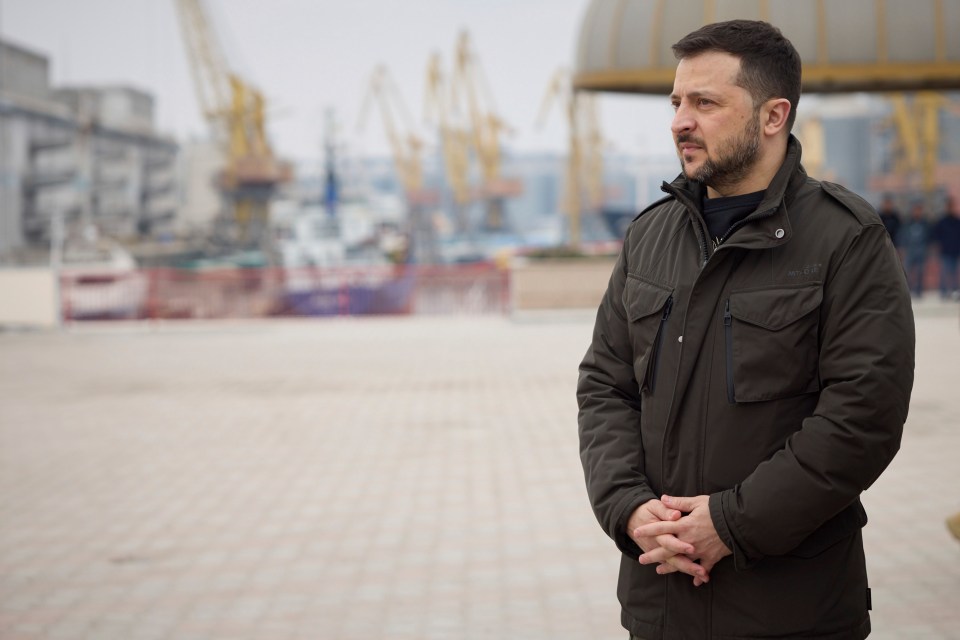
[
  {"x": 642, "y": 298},
  {"x": 775, "y": 309}
]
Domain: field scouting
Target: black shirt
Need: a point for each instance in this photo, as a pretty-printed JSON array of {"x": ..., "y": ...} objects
[{"x": 722, "y": 213}]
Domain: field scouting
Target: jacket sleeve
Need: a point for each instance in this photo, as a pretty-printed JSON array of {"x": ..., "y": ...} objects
[
  {"x": 609, "y": 418},
  {"x": 866, "y": 375}
]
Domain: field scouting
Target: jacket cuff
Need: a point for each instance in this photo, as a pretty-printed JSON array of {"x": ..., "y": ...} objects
[
  {"x": 621, "y": 537},
  {"x": 741, "y": 560}
]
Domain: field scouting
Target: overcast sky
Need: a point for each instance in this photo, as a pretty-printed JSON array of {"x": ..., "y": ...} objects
[{"x": 311, "y": 55}]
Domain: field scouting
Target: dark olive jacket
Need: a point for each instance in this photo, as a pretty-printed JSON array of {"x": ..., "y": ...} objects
[{"x": 772, "y": 374}]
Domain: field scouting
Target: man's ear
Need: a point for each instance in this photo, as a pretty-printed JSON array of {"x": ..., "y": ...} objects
[{"x": 774, "y": 115}]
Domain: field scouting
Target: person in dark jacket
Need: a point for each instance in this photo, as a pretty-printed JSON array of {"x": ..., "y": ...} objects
[
  {"x": 750, "y": 369},
  {"x": 890, "y": 217},
  {"x": 946, "y": 234},
  {"x": 914, "y": 241}
]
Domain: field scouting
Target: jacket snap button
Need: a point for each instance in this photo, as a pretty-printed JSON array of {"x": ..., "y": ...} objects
[
  {"x": 680, "y": 339},
  {"x": 779, "y": 233}
]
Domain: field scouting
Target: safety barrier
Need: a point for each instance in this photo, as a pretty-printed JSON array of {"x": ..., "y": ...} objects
[{"x": 222, "y": 293}]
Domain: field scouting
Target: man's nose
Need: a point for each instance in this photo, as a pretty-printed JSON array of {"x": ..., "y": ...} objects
[{"x": 682, "y": 120}]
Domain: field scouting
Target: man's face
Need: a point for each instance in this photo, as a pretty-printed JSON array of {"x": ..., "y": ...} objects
[{"x": 716, "y": 127}]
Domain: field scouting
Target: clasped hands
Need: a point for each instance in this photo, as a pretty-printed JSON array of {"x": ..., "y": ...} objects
[{"x": 678, "y": 533}]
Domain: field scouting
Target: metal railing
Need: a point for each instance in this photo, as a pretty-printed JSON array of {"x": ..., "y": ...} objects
[{"x": 223, "y": 293}]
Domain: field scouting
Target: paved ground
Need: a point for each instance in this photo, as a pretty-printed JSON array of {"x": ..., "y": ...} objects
[{"x": 404, "y": 478}]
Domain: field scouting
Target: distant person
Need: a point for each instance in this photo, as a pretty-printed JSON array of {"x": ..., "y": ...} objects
[
  {"x": 914, "y": 243},
  {"x": 946, "y": 234},
  {"x": 750, "y": 369},
  {"x": 890, "y": 217}
]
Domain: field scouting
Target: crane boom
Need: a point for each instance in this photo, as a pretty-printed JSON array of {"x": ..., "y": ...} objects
[
  {"x": 487, "y": 127},
  {"x": 486, "y": 130},
  {"x": 454, "y": 140},
  {"x": 236, "y": 113},
  {"x": 583, "y": 180},
  {"x": 209, "y": 68},
  {"x": 406, "y": 147}
]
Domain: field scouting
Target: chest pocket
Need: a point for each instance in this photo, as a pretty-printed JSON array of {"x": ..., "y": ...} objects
[
  {"x": 648, "y": 308},
  {"x": 771, "y": 342}
]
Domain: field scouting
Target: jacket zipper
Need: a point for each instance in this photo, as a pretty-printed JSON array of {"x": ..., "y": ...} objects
[
  {"x": 655, "y": 358},
  {"x": 728, "y": 335},
  {"x": 689, "y": 206}
]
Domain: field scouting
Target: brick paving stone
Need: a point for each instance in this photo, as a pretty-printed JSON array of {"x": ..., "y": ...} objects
[{"x": 397, "y": 478}]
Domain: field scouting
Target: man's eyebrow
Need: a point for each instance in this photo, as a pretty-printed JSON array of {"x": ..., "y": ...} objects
[
  {"x": 700, "y": 93},
  {"x": 692, "y": 94}
]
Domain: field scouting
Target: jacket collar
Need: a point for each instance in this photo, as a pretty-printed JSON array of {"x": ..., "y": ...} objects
[{"x": 769, "y": 226}]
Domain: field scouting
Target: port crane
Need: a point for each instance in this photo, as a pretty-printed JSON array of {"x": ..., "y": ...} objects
[
  {"x": 916, "y": 122},
  {"x": 470, "y": 133},
  {"x": 583, "y": 179},
  {"x": 454, "y": 136},
  {"x": 407, "y": 149},
  {"x": 236, "y": 113},
  {"x": 470, "y": 93},
  {"x": 406, "y": 145}
]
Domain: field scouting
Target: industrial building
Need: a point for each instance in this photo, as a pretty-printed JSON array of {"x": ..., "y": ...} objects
[{"x": 89, "y": 156}]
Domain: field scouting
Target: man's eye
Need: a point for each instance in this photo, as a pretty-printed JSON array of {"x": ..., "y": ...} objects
[{"x": 704, "y": 102}]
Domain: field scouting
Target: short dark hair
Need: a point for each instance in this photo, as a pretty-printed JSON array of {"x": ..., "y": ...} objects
[{"x": 770, "y": 66}]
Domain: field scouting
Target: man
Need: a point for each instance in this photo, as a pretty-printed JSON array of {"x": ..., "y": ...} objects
[
  {"x": 947, "y": 235},
  {"x": 890, "y": 217},
  {"x": 750, "y": 369}
]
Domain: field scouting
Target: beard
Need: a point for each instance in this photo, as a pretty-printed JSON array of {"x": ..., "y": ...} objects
[{"x": 734, "y": 160}]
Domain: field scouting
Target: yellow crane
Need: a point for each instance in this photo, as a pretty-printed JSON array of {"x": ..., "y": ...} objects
[
  {"x": 917, "y": 126},
  {"x": 236, "y": 113},
  {"x": 405, "y": 145},
  {"x": 407, "y": 149},
  {"x": 583, "y": 180},
  {"x": 454, "y": 137},
  {"x": 486, "y": 129}
]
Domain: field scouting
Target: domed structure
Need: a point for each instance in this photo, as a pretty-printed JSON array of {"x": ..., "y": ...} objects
[{"x": 846, "y": 45}]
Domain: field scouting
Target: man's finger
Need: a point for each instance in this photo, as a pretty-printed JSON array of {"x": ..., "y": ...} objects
[
  {"x": 675, "y": 544},
  {"x": 688, "y": 566},
  {"x": 662, "y": 511},
  {"x": 684, "y": 504},
  {"x": 708, "y": 567},
  {"x": 657, "y": 529},
  {"x": 654, "y": 556}
]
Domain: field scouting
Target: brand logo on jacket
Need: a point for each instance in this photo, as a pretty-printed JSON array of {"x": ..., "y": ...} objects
[{"x": 805, "y": 270}]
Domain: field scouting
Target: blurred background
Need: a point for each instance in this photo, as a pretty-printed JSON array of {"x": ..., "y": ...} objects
[{"x": 308, "y": 158}]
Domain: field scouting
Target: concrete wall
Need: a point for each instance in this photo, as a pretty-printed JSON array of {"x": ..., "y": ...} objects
[
  {"x": 559, "y": 284},
  {"x": 28, "y": 297}
]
